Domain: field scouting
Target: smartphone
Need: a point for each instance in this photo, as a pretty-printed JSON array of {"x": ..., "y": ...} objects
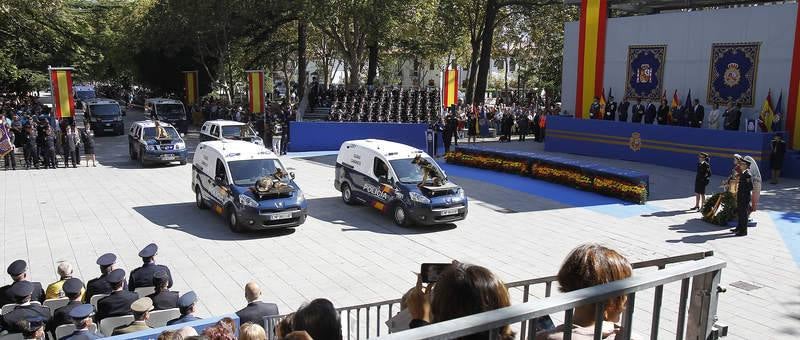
[
  {"x": 432, "y": 271},
  {"x": 543, "y": 323}
]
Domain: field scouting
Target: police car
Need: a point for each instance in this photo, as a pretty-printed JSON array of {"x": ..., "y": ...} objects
[
  {"x": 167, "y": 110},
  {"x": 105, "y": 115},
  {"x": 227, "y": 129},
  {"x": 228, "y": 176},
  {"x": 146, "y": 148},
  {"x": 381, "y": 174}
]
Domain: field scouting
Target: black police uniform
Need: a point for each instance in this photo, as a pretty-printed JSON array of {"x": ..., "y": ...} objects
[
  {"x": 143, "y": 276},
  {"x": 164, "y": 300},
  {"x": 50, "y": 151},
  {"x": 743, "y": 201},
  {"x": 99, "y": 285},
  {"x": 61, "y": 317},
  {"x": 702, "y": 177},
  {"x": 116, "y": 304},
  {"x": 31, "y": 150},
  {"x": 23, "y": 312},
  {"x": 6, "y": 297},
  {"x": 611, "y": 111}
]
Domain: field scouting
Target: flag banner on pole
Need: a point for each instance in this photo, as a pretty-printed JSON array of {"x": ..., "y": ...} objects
[
  {"x": 767, "y": 115},
  {"x": 602, "y": 112},
  {"x": 450, "y": 88},
  {"x": 5, "y": 141},
  {"x": 61, "y": 85},
  {"x": 675, "y": 105},
  {"x": 190, "y": 86},
  {"x": 591, "y": 54},
  {"x": 776, "y": 122},
  {"x": 255, "y": 88}
]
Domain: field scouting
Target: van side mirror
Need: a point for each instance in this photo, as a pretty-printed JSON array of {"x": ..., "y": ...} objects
[
  {"x": 384, "y": 180},
  {"x": 219, "y": 181},
  {"x": 291, "y": 174}
]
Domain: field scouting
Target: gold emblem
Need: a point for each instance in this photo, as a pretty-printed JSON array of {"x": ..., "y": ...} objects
[
  {"x": 732, "y": 75},
  {"x": 635, "y": 141},
  {"x": 644, "y": 74}
]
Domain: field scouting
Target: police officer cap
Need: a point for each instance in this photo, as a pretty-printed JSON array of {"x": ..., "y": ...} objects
[
  {"x": 744, "y": 161},
  {"x": 149, "y": 251},
  {"x": 142, "y": 305},
  {"x": 17, "y": 267},
  {"x": 81, "y": 312},
  {"x": 34, "y": 323},
  {"x": 160, "y": 276},
  {"x": 72, "y": 286},
  {"x": 106, "y": 259},
  {"x": 116, "y": 276},
  {"x": 703, "y": 154},
  {"x": 187, "y": 300},
  {"x": 22, "y": 288}
]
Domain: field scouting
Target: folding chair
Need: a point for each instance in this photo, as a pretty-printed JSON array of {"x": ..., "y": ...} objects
[
  {"x": 107, "y": 325},
  {"x": 159, "y": 318},
  {"x": 54, "y": 304},
  {"x": 144, "y": 291}
]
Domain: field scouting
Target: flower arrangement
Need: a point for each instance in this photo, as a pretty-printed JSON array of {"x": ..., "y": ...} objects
[
  {"x": 619, "y": 188},
  {"x": 563, "y": 175},
  {"x": 720, "y": 208},
  {"x": 488, "y": 162}
]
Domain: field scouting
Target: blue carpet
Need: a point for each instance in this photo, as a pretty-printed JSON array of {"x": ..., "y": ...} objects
[
  {"x": 556, "y": 192},
  {"x": 788, "y": 224}
]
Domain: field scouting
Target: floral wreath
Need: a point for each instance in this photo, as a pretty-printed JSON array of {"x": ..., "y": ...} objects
[{"x": 720, "y": 208}]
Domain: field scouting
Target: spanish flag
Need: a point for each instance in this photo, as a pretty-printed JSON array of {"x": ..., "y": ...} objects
[
  {"x": 676, "y": 104},
  {"x": 190, "y": 85},
  {"x": 61, "y": 88},
  {"x": 602, "y": 112},
  {"x": 767, "y": 115},
  {"x": 255, "y": 81},
  {"x": 450, "y": 88},
  {"x": 591, "y": 54}
]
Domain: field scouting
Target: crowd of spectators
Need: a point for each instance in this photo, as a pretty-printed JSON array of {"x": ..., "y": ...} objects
[{"x": 381, "y": 104}]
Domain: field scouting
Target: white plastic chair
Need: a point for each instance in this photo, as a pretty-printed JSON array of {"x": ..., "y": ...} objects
[
  {"x": 12, "y": 336},
  {"x": 96, "y": 298},
  {"x": 144, "y": 291},
  {"x": 107, "y": 325},
  {"x": 159, "y": 318},
  {"x": 64, "y": 330},
  {"x": 7, "y": 308},
  {"x": 54, "y": 304}
]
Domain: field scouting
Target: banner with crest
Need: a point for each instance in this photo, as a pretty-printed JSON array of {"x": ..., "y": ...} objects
[
  {"x": 732, "y": 73},
  {"x": 645, "y": 71}
]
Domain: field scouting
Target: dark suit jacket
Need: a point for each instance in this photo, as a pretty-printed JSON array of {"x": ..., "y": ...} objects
[
  {"x": 9, "y": 320},
  {"x": 116, "y": 304},
  {"x": 733, "y": 119},
  {"x": 650, "y": 114},
  {"x": 81, "y": 335},
  {"x": 256, "y": 311},
  {"x": 143, "y": 276},
  {"x": 164, "y": 300},
  {"x": 182, "y": 319},
  {"x": 61, "y": 317},
  {"x": 623, "y": 111},
  {"x": 6, "y": 297},
  {"x": 99, "y": 286},
  {"x": 638, "y": 113}
]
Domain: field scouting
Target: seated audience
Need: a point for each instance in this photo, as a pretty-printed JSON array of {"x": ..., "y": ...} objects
[
  {"x": 72, "y": 289},
  {"x": 186, "y": 332},
  {"x": 319, "y": 319},
  {"x": 220, "y": 331},
  {"x": 252, "y": 331},
  {"x": 163, "y": 298},
  {"x": 171, "y": 335},
  {"x": 141, "y": 312},
  {"x": 18, "y": 270},
  {"x": 25, "y": 310},
  {"x": 143, "y": 276},
  {"x": 82, "y": 318},
  {"x": 100, "y": 285},
  {"x": 284, "y": 327},
  {"x": 119, "y": 302},
  {"x": 586, "y": 266},
  {"x": 54, "y": 290},
  {"x": 256, "y": 309},
  {"x": 32, "y": 329},
  {"x": 186, "y": 303}
]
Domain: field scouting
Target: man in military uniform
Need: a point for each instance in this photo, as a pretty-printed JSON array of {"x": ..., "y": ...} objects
[
  {"x": 50, "y": 149},
  {"x": 186, "y": 304},
  {"x": 119, "y": 302},
  {"x": 594, "y": 109},
  {"x": 638, "y": 111},
  {"x": 141, "y": 312},
  {"x": 143, "y": 276},
  {"x": 72, "y": 289},
  {"x": 18, "y": 270},
  {"x": 163, "y": 298},
  {"x": 22, "y": 290},
  {"x": 611, "y": 109},
  {"x": 82, "y": 318},
  {"x": 32, "y": 329},
  {"x": 100, "y": 285},
  {"x": 743, "y": 194}
]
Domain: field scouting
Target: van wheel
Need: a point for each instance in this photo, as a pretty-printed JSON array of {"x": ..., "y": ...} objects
[
  {"x": 198, "y": 198},
  {"x": 233, "y": 220},
  {"x": 130, "y": 152},
  {"x": 183, "y": 162},
  {"x": 142, "y": 162},
  {"x": 347, "y": 194},
  {"x": 400, "y": 216}
]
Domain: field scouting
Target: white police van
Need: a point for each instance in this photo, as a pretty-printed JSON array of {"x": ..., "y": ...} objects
[
  {"x": 143, "y": 144},
  {"x": 381, "y": 174},
  {"x": 167, "y": 110},
  {"x": 105, "y": 116},
  {"x": 220, "y": 129},
  {"x": 226, "y": 176}
]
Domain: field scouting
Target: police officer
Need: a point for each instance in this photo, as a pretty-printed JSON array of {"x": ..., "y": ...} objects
[
  {"x": 743, "y": 194},
  {"x": 9, "y": 157},
  {"x": 163, "y": 298},
  {"x": 143, "y": 276},
  {"x": 72, "y": 289},
  {"x": 186, "y": 304},
  {"x": 30, "y": 148},
  {"x": 82, "y": 318},
  {"x": 18, "y": 270},
  {"x": 119, "y": 302},
  {"x": 22, "y": 290},
  {"x": 100, "y": 285},
  {"x": 594, "y": 109},
  {"x": 50, "y": 148},
  {"x": 33, "y": 329},
  {"x": 611, "y": 109}
]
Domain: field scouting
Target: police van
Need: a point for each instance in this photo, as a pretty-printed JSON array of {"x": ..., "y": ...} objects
[
  {"x": 248, "y": 185},
  {"x": 220, "y": 129},
  {"x": 146, "y": 146},
  {"x": 385, "y": 176},
  {"x": 167, "y": 110},
  {"x": 105, "y": 116}
]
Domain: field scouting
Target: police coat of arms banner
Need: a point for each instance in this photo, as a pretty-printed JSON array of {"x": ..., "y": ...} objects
[
  {"x": 732, "y": 73},
  {"x": 645, "y": 71}
]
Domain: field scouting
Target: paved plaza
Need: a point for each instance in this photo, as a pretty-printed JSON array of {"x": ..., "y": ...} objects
[{"x": 353, "y": 255}]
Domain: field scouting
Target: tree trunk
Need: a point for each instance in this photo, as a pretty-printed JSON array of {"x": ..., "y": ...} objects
[
  {"x": 486, "y": 52},
  {"x": 302, "y": 38},
  {"x": 355, "y": 67},
  {"x": 473, "y": 70},
  {"x": 505, "y": 74},
  {"x": 372, "y": 68}
]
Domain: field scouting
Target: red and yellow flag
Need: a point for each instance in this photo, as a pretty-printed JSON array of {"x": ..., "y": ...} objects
[
  {"x": 793, "y": 109},
  {"x": 591, "y": 54},
  {"x": 255, "y": 81},
  {"x": 61, "y": 86},
  {"x": 190, "y": 85},
  {"x": 450, "y": 88}
]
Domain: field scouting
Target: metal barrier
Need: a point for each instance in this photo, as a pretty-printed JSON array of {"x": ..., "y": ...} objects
[{"x": 374, "y": 315}]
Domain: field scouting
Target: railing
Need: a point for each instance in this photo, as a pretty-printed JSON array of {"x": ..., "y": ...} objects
[{"x": 374, "y": 315}]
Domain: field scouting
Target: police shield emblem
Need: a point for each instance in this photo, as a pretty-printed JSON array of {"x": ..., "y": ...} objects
[
  {"x": 732, "y": 75},
  {"x": 635, "y": 143}
]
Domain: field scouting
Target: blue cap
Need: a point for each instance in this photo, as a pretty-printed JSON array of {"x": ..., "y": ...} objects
[
  {"x": 17, "y": 267},
  {"x": 187, "y": 300},
  {"x": 149, "y": 251},
  {"x": 106, "y": 259},
  {"x": 116, "y": 276},
  {"x": 81, "y": 312},
  {"x": 21, "y": 288},
  {"x": 72, "y": 286},
  {"x": 35, "y": 322}
]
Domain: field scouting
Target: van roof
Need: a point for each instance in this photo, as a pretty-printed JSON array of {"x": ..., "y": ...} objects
[
  {"x": 163, "y": 101},
  {"x": 101, "y": 101},
  {"x": 223, "y": 122},
  {"x": 390, "y": 150},
  {"x": 236, "y": 150},
  {"x": 150, "y": 123}
]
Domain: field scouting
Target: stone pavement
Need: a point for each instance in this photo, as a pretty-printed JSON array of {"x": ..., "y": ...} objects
[{"x": 353, "y": 255}]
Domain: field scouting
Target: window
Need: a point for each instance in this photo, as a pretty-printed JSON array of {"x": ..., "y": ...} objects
[
  {"x": 214, "y": 131},
  {"x": 498, "y": 64},
  {"x": 220, "y": 174},
  {"x": 380, "y": 169}
]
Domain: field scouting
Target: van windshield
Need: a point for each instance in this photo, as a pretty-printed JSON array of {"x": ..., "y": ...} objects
[
  {"x": 408, "y": 172},
  {"x": 170, "y": 110},
  {"x": 237, "y": 132},
  {"x": 246, "y": 172},
  {"x": 104, "y": 109},
  {"x": 150, "y": 132}
]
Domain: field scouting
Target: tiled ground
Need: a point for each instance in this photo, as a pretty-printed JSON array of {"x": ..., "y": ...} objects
[{"x": 353, "y": 255}]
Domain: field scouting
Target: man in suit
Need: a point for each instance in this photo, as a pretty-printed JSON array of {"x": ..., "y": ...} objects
[
  {"x": 733, "y": 117},
  {"x": 163, "y": 298},
  {"x": 72, "y": 289},
  {"x": 696, "y": 114},
  {"x": 100, "y": 285},
  {"x": 186, "y": 304},
  {"x": 650, "y": 112},
  {"x": 256, "y": 309},
  {"x": 82, "y": 318},
  {"x": 638, "y": 112},
  {"x": 117, "y": 303},
  {"x": 623, "y": 111},
  {"x": 18, "y": 270},
  {"x": 611, "y": 109},
  {"x": 141, "y": 312},
  {"x": 143, "y": 276},
  {"x": 22, "y": 290}
]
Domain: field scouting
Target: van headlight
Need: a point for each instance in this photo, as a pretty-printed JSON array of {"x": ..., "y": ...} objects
[
  {"x": 152, "y": 148},
  {"x": 459, "y": 195},
  {"x": 419, "y": 198},
  {"x": 301, "y": 198},
  {"x": 248, "y": 201},
  {"x": 180, "y": 146}
]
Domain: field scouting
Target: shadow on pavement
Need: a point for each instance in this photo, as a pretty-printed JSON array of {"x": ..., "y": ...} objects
[
  {"x": 669, "y": 213},
  {"x": 186, "y": 217},
  {"x": 362, "y": 218},
  {"x": 697, "y": 226}
]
